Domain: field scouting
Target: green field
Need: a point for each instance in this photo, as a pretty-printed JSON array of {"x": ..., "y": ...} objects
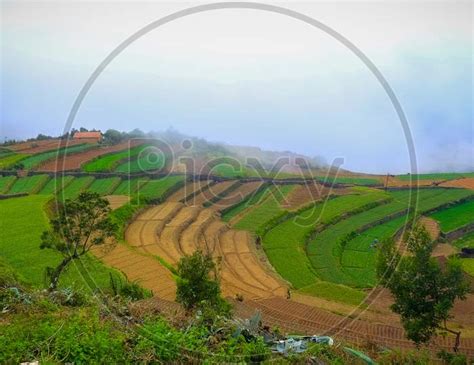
[
  {"x": 364, "y": 181},
  {"x": 104, "y": 186},
  {"x": 326, "y": 251},
  {"x": 468, "y": 266},
  {"x": 256, "y": 216},
  {"x": 37, "y": 159},
  {"x": 109, "y": 162},
  {"x": 5, "y": 183},
  {"x": 8, "y": 161},
  {"x": 436, "y": 176},
  {"x": 465, "y": 241},
  {"x": 55, "y": 185},
  {"x": 250, "y": 201},
  {"x": 29, "y": 184},
  {"x": 147, "y": 160},
  {"x": 130, "y": 186},
  {"x": 334, "y": 292},
  {"x": 455, "y": 217},
  {"x": 77, "y": 186},
  {"x": 20, "y": 245},
  {"x": 285, "y": 243},
  {"x": 156, "y": 189}
]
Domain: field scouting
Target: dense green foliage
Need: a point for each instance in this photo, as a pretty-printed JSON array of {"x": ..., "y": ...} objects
[
  {"x": 455, "y": 217},
  {"x": 5, "y": 183},
  {"x": 424, "y": 294},
  {"x": 29, "y": 184},
  {"x": 20, "y": 245},
  {"x": 35, "y": 160}
]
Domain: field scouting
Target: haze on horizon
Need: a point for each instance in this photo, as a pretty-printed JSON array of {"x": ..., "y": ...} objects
[{"x": 247, "y": 77}]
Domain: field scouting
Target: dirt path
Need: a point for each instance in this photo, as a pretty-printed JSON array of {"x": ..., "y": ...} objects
[
  {"x": 116, "y": 201},
  {"x": 465, "y": 183}
]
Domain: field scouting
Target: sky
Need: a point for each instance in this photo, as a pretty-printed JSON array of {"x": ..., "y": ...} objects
[{"x": 248, "y": 77}]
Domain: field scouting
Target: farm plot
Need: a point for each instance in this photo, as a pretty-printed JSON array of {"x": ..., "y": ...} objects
[
  {"x": 9, "y": 161},
  {"x": 34, "y": 147},
  {"x": 20, "y": 246},
  {"x": 363, "y": 181},
  {"x": 104, "y": 186},
  {"x": 436, "y": 176},
  {"x": 109, "y": 161},
  {"x": 77, "y": 160},
  {"x": 145, "y": 158},
  {"x": 213, "y": 191},
  {"x": 188, "y": 191},
  {"x": 235, "y": 196},
  {"x": 250, "y": 201},
  {"x": 465, "y": 241},
  {"x": 55, "y": 185},
  {"x": 5, "y": 183},
  {"x": 255, "y": 217},
  {"x": 284, "y": 244},
  {"x": 36, "y": 160},
  {"x": 77, "y": 186},
  {"x": 326, "y": 249},
  {"x": 455, "y": 217},
  {"x": 157, "y": 189},
  {"x": 29, "y": 184},
  {"x": 130, "y": 186}
]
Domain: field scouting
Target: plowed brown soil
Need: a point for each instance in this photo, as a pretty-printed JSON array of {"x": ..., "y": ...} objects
[
  {"x": 466, "y": 183},
  {"x": 75, "y": 161},
  {"x": 188, "y": 191},
  {"x": 116, "y": 201},
  {"x": 212, "y": 192},
  {"x": 306, "y": 193},
  {"x": 237, "y": 195},
  {"x": 431, "y": 226},
  {"x": 34, "y": 147}
]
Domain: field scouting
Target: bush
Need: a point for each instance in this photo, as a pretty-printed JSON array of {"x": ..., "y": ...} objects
[{"x": 128, "y": 290}]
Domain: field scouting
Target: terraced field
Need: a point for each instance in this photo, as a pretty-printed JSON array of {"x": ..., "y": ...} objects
[
  {"x": 130, "y": 186},
  {"x": 156, "y": 189},
  {"x": 36, "y": 160},
  {"x": 188, "y": 191},
  {"x": 363, "y": 181},
  {"x": 436, "y": 176},
  {"x": 172, "y": 229},
  {"x": 9, "y": 161},
  {"x": 35, "y": 147},
  {"x": 213, "y": 191},
  {"x": 455, "y": 217},
  {"x": 234, "y": 196},
  {"x": 29, "y": 184},
  {"x": 255, "y": 217},
  {"x": 104, "y": 186},
  {"x": 236, "y": 210},
  {"x": 55, "y": 185},
  {"x": 146, "y": 158},
  {"x": 5, "y": 183},
  {"x": 110, "y": 161},
  {"x": 76, "y": 186}
]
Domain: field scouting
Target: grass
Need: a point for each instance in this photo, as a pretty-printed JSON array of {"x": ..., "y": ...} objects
[
  {"x": 147, "y": 160},
  {"x": 156, "y": 189},
  {"x": 465, "y": 241},
  {"x": 10, "y": 160},
  {"x": 20, "y": 245},
  {"x": 130, "y": 186},
  {"x": 56, "y": 184},
  {"x": 5, "y": 183},
  {"x": 334, "y": 292},
  {"x": 455, "y": 217},
  {"x": 29, "y": 184},
  {"x": 436, "y": 176},
  {"x": 284, "y": 244},
  {"x": 109, "y": 162},
  {"x": 77, "y": 186},
  {"x": 258, "y": 215},
  {"x": 104, "y": 186},
  {"x": 468, "y": 266},
  {"x": 37, "y": 159}
]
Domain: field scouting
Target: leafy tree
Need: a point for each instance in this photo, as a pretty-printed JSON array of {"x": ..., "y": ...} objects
[
  {"x": 80, "y": 224},
  {"x": 113, "y": 136},
  {"x": 424, "y": 292},
  {"x": 198, "y": 282}
]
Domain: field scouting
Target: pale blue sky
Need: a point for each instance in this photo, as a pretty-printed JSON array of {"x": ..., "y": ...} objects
[{"x": 251, "y": 78}]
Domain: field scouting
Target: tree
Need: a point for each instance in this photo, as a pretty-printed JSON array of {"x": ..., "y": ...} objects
[
  {"x": 197, "y": 281},
  {"x": 113, "y": 136},
  {"x": 80, "y": 225},
  {"x": 424, "y": 292}
]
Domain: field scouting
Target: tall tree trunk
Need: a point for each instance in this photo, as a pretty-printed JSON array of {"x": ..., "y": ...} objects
[{"x": 57, "y": 272}]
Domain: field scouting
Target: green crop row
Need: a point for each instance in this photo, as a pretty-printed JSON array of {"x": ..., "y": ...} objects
[
  {"x": 30, "y": 184},
  {"x": 5, "y": 183},
  {"x": 158, "y": 189},
  {"x": 109, "y": 162},
  {"x": 436, "y": 176},
  {"x": 10, "y": 160},
  {"x": 104, "y": 186},
  {"x": 35, "y": 160},
  {"x": 455, "y": 217}
]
